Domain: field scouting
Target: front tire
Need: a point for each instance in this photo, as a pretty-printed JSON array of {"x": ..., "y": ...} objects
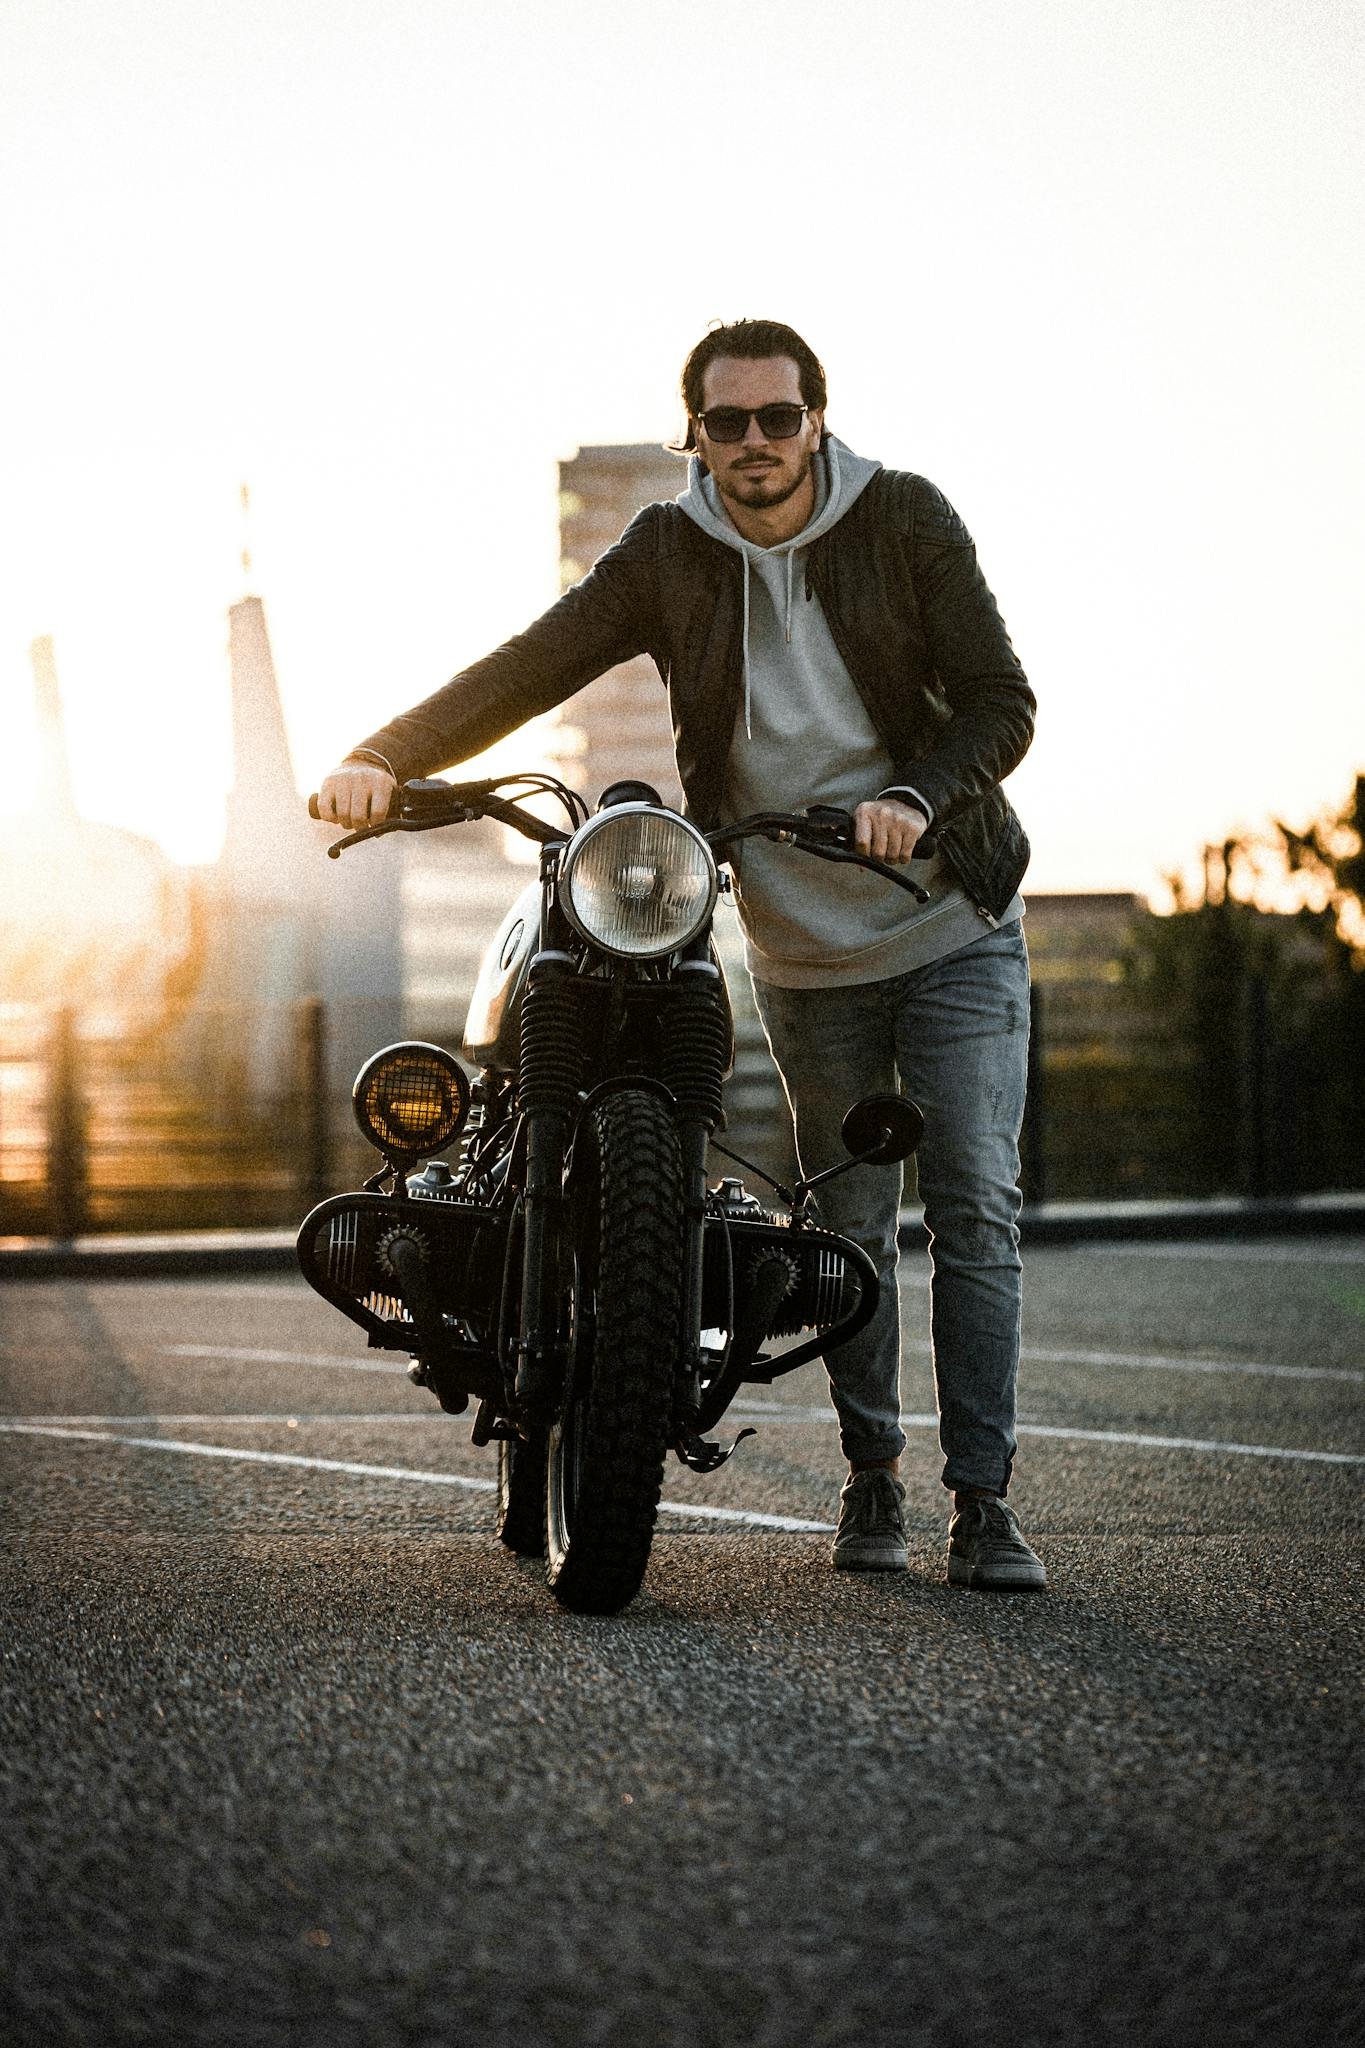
[{"x": 607, "y": 1448}]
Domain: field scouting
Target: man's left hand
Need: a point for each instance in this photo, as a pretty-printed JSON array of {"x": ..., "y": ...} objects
[{"x": 888, "y": 830}]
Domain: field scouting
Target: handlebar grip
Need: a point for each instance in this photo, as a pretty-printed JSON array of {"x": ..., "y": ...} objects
[
  {"x": 313, "y": 810},
  {"x": 841, "y": 824}
]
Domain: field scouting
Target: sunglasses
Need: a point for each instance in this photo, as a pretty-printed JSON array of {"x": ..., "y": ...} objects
[{"x": 775, "y": 422}]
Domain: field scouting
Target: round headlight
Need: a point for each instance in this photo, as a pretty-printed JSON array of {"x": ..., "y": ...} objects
[
  {"x": 411, "y": 1100},
  {"x": 637, "y": 881}
]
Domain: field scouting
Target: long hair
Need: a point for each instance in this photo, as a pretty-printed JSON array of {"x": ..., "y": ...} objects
[{"x": 752, "y": 341}]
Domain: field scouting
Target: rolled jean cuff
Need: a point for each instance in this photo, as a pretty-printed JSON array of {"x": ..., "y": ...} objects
[
  {"x": 958, "y": 1476},
  {"x": 871, "y": 1450}
]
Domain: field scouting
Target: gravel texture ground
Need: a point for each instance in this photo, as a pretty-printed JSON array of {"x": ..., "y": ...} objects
[{"x": 294, "y": 1753}]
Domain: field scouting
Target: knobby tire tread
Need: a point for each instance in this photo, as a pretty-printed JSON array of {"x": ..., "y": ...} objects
[{"x": 638, "y": 1305}]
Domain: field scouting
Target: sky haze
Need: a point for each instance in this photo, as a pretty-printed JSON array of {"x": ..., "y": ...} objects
[{"x": 1093, "y": 268}]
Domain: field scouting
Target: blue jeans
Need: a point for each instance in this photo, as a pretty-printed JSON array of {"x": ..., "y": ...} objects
[{"x": 954, "y": 1036}]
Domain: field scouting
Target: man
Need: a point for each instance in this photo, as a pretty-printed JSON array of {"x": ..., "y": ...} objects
[{"x": 827, "y": 637}]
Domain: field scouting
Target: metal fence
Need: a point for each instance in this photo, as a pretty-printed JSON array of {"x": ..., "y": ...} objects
[{"x": 118, "y": 1118}]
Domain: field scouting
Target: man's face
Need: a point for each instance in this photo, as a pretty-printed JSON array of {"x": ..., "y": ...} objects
[{"x": 756, "y": 471}]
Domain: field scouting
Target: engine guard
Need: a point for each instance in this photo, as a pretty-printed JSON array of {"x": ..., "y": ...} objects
[
  {"x": 819, "y": 1266},
  {"x": 343, "y": 1255}
]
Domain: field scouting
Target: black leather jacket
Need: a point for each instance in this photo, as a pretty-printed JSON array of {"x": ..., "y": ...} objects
[{"x": 909, "y": 611}]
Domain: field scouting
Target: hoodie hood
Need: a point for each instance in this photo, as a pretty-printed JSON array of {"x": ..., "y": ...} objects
[{"x": 840, "y": 477}]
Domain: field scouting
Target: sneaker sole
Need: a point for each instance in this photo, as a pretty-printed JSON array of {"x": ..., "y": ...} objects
[
  {"x": 1001, "y": 1578},
  {"x": 877, "y": 1561}
]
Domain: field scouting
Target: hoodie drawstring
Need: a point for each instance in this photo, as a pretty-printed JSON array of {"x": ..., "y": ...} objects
[
  {"x": 786, "y": 626},
  {"x": 748, "y": 721},
  {"x": 839, "y": 480}
]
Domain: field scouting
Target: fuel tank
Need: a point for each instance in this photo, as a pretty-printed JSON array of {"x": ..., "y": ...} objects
[{"x": 492, "y": 1030}]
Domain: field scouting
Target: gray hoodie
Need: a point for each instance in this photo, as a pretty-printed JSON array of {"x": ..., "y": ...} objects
[{"x": 803, "y": 736}]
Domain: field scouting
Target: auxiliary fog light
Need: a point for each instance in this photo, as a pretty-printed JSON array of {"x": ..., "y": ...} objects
[{"x": 411, "y": 1100}]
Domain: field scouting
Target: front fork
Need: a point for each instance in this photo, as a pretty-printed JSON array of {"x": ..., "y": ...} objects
[
  {"x": 692, "y": 1137},
  {"x": 696, "y": 1048},
  {"x": 550, "y": 1077},
  {"x": 694, "y": 1041}
]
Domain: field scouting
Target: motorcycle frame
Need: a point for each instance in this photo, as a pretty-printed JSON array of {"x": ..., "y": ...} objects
[
  {"x": 552, "y": 1128},
  {"x": 539, "y": 1185}
]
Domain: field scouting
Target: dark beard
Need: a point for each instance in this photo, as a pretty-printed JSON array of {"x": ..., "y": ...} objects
[{"x": 770, "y": 493}]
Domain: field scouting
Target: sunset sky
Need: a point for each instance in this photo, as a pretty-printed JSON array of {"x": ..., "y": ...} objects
[{"x": 1094, "y": 266}]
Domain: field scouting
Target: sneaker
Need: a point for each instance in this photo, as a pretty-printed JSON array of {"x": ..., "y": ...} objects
[
  {"x": 985, "y": 1549},
  {"x": 871, "y": 1532}
]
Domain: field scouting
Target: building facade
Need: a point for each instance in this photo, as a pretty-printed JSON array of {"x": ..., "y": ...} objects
[{"x": 623, "y": 717}]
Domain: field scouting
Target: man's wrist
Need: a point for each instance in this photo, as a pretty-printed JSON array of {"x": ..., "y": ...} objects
[
  {"x": 902, "y": 793},
  {"x": 367, "y": 757}
]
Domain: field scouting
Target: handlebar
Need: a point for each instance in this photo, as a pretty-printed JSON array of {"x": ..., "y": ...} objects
[
  {"x": 427, "y": 803},
  {"x": 828, "y": 834}
]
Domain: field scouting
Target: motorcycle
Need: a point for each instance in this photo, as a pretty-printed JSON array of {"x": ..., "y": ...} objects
[{"x": 573, "y": 1272}]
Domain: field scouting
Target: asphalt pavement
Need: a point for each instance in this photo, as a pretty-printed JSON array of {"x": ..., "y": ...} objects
[{"x": 293, "y": 1752}]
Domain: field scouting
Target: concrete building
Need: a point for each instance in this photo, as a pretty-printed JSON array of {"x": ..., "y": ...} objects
[
  {"x": 623, "y": 717},
  {"x": 89, "y": 912},
  {"x": 458, "y": 884},
  {"x": 283, "y": 921}
]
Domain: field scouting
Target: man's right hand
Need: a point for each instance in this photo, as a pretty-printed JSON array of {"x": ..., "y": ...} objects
[{"x": 355, "y": 794}]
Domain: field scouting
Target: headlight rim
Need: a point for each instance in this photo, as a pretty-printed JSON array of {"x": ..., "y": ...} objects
[{"x": 602, "y": 821}]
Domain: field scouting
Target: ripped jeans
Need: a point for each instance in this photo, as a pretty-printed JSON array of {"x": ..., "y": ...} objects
[{"x": 954, "y": 1036}]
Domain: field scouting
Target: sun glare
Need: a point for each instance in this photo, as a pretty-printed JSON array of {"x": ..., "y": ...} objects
[{"x": 395, "y": 369}]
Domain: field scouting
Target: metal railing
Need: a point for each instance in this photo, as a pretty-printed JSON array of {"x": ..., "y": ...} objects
[
  {"x": 230, "y": 1116},
  {"x": 120, "y": 1118}
]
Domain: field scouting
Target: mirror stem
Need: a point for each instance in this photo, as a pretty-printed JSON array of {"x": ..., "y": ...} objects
[{"x": 803, "y": 1187}]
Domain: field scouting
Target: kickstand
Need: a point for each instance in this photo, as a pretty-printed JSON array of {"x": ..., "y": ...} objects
[{"x": 702, "y": 1454}]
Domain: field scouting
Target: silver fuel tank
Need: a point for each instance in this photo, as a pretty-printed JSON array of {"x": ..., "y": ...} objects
[{"x": 492, "y": 1029}]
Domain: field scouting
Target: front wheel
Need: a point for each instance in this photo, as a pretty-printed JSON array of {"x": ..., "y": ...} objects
[{"x": 607, "y": 1448}]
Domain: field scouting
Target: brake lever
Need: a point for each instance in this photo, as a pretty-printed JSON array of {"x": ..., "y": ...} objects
[
  {"x": 461, "y": 816},
  {"x": 813, "y": 832},
  {"x": 339, "y": 846},
  {"x": 862, "y": 860}
]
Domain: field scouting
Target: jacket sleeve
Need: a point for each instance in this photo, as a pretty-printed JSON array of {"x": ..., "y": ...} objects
[
  {"x": 978, "y": 670},
  {"x": 601, "y": 621}
]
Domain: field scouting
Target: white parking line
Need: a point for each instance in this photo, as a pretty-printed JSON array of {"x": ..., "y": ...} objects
[
  {"x": 1045, "y": 1354},
  {"x": 162, "y": 1443},
  {"x": 1190, "y": 1443},
  {"x": 1042, "y": 1354},
  {"x": 216, "y": 1419},
  {"x": 359, "y": 1471},
  {"x": 190, "y": 1283},
  {"x": 1309, "y": 1253},
  {"x": 243, "y": 1354},
  {"x": 775, "y": 1411},
  {"x": 1142, "y": 1362}
]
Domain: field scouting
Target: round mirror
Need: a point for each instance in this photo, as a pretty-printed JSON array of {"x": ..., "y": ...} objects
[{"x": 883, "y": 1128}]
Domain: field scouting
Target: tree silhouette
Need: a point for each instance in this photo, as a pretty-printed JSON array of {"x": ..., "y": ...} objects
[
  {"x": 1332, "y": 851},
  {"x": 1262, "y": 969}
]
